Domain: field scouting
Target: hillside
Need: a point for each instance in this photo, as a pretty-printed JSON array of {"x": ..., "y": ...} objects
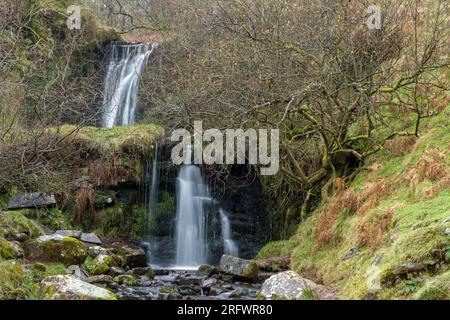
[{"x": 391, "y": 222}]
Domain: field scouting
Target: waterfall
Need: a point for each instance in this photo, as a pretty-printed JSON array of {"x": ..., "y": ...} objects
[
  {"x": 230, "y": 246},
  {"x": 153, "y": 195},
  {"x": 152, "y": 200},
  {"x": 191, "y": 242},
  {"x": 122, "y": 82}
]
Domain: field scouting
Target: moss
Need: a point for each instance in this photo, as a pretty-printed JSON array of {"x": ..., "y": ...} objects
[
  {"x": 11, "y": 279},
  {"x": 138, "y": 139},
  {"x": 68, "y": 251},
  {"x": 437, "y": 288},
  {"x": 252, "y": 270},
  {"x": 36, "y": 274},
  {"x": 127, "y": 280},
  {"x": 16, "y": 222},
  {"x": 6, "y": 251}
]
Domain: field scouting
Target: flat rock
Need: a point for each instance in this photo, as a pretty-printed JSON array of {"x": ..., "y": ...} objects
[
  {"x": 31, "y": 200},
  {"x": 70, "y": 288},
  {"x": 90, "y": 239},
  {"x": 286, "y": 285},
  {"x": 134, "y": 256},
  {"x": 69, "y": 233},
  {"x": 77, "y": 272}
]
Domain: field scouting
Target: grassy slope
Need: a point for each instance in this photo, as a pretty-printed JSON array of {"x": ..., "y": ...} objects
[{"x": 404, "y": 223}]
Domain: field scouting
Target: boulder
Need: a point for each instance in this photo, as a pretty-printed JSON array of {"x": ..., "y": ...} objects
[
  {"x": 10, "y": 250},
  {"x": 147, "y": 272},
  {"x": 116, "y": 271},
  {"x": 69, "y": 233},
  {"x": 77, "y": 272},
  {"x": 134, "y": 256},
  {"x": 101, "y": 279},
  {"x": 90, "y": 239},
  {"x": 208, "y": 270},
  {"x": 56, "y": 248},
  {"x": 127, "y": 280},
  {"x": 274, "y": 264},
  {"x": 31, "y": 200},
  {"x": 70, "y": 288},
  {"x": 286, "y": 285},
  {"x": 103, "y": 263},
  {"x": 94, "y": 251},
  {"x": 239, "y": 268}
]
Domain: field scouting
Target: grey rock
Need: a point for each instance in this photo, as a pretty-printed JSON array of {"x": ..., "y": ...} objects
[
  {"x": 408, "y": 268},
  {"x": 31, "y": 200},
  {"x": 94, "y": 251},
  {"x": 134, "y": 256},
  {"x": 350, "y": 253},
  {"x": 238, "y": 267},
  {"x": 68, "y": 287},
  {"x": 69, "y": 233},
  {"x": 90, "y": 239},
  {"x": 377, "y": 260},
  {"x": 116, "y": 271},
  {"x": 101, "y": 279},
  {"x": 447, "y": 231},
  {"x": 209, "y": 282},
  {"x": 286, "y": 285},
  {"x": 77, "y": 272},
  {"x": 20, "y": 237}
]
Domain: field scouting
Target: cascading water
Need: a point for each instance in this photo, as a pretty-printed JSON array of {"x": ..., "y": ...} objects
[
  {"x": 191, "y": 239},
  {"x": 122, "y": 82},
  {"x": 152, "y": 200},
  {"x": 230, "y": 247}
]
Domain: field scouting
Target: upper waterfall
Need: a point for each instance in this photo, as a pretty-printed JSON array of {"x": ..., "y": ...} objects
[{"x": 122, "y": 82}]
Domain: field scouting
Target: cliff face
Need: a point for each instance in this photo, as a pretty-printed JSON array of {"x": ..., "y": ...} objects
[{"x": 386, "y": 234}]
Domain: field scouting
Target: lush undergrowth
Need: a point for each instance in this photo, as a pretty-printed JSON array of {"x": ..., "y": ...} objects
[{"x": 395, "y": 212}]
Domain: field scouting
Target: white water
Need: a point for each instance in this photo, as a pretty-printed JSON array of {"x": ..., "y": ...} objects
[
  {"x": 122, "y": 83},
  {"x": 191, "y": 242},
  {"x": 152, "y": 200},
  {"x": 230, "y": 246}
]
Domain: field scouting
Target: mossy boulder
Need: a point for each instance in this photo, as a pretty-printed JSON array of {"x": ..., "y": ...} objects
[
  {"x": 134, "y": 256},
  {"x": 70, "y": 288},
  {"x": 13, "y": 223},
  {"x": 208, "y": 270},
  {"x": 147, "y": 272},
  {"x": 103, "y": 263},
  {"x": 239, "y": 268},
  {"x": 56, "y": 248},
  {"x": 128, "y": 280},
  {"x": 10, "y": 250}
]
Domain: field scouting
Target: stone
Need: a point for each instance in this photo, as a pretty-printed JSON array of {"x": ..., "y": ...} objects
[
  {"x": 239, "y": 268},
  {"x": 102, "y": 263},
  {"x": 127, "y": 280},
  {"x": 10, "y": 250},
  {"x": 408, "y": 268},
  {"x": 56, "y": 248},
  {"x": 77, "y": 272},
  {"x": 238, "y": 293},
  {"x": 376, "y": 261},
  {"x": 68, "y": 287},
  {"x": 20, "y": 237},
  {"x": 134, "y": 256},
  {"x": 31, "y": 200},
  {"x": 101, "y": 279},
  {"x": 446, "y": 231},
  {"x": 209, "y": 282},
  {"x": 94, "y": 251},
  {"x": 69, "y": 233},
  {"x": 147, "y": 272},
  {"x": 116, "y": 271},
  {"x": 286, "y": 285},
  {"x": 350, "y": 253},
  {"x": 90, "y": 239},
  {"x": 208, "y": 270}
]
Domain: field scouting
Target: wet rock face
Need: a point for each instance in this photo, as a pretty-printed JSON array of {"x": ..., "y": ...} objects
[
  {"x": 56, "y": 248},
  {"x": 70, "y": 288},
  {"x": 286, "y": 285}
]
